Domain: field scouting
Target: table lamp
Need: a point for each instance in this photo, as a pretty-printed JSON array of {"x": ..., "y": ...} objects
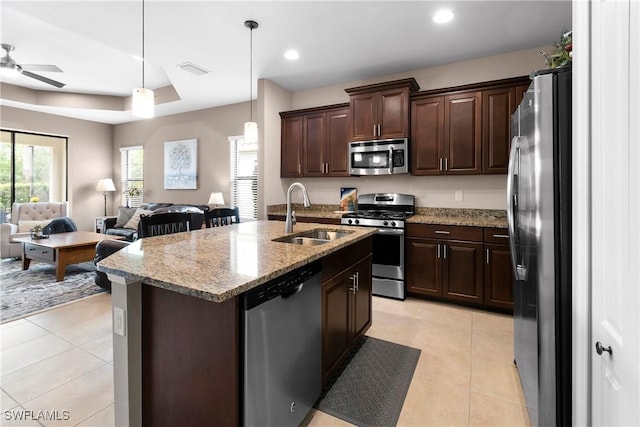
[
  {"x": 105, "y": 185},
  {"x": 215, "y": 199}
]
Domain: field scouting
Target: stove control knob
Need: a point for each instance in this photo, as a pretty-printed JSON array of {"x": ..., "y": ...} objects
[
  {"x": 385, "y": 223},
  {"x": 350, "y": 221},
  {"x": 393, "y": 223},
  {"x": 357, "y": 221}
]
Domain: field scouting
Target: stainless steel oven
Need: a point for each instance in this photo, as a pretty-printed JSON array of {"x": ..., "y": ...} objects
[{"x": 387, "y": 212}]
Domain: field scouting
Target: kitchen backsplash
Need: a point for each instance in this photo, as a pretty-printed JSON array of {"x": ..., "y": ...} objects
[{"x": 477, "y": 192}]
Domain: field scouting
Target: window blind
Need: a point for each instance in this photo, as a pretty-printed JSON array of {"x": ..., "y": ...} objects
[
  {"x": 244, "y": 177},
  {"x": 132, "y": 172}
]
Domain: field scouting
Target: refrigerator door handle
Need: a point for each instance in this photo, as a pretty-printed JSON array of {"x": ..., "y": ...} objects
[{"x": 520, "y": 271}]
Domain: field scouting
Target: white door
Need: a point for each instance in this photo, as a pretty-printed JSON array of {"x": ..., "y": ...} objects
[{"x": 615, "y": 209}]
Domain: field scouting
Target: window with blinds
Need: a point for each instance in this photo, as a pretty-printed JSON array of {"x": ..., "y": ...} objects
[
  {"x": 244, "y": 177},
  {"x": 132, "y": 172}
]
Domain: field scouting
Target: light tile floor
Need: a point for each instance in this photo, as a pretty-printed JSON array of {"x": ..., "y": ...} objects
[{"x": 61, "y": 360}]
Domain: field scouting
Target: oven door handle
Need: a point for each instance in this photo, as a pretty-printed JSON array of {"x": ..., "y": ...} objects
[{"x": 390, "y": 231}]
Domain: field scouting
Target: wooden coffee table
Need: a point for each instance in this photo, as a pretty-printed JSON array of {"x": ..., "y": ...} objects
[{"x": 62, "y": 249}]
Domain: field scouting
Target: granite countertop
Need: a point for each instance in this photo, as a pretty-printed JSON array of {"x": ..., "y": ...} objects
[
  {"x": 220, "y": 263},
  {"x": 439, "y": 216}
]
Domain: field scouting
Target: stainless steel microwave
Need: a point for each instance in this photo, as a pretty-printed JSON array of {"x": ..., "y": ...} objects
[{"x": 380, "y": 157}]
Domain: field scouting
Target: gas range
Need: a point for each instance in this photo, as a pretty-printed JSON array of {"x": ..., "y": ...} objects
[
  {"x": 383, "y": 210},
  {"x": 387, "y": 212},
  {"x": 388, "y": 219}
]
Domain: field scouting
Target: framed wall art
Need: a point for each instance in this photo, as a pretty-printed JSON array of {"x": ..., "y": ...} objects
[{"x": 181, "y": 165}]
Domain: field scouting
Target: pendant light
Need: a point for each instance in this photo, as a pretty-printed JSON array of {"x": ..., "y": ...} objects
[
  {"x": 251, "y": 127},
  {"x": 142, "y": 103}
]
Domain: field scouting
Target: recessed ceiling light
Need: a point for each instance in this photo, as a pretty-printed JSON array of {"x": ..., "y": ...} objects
[
  {"x": 443, "y": 16},
  {"x": 292, "y": 55}
]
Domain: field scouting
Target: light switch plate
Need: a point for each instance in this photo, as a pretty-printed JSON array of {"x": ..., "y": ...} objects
[
  {"x": 119, "y": 321},
  {"x": 458, "y": 196}
]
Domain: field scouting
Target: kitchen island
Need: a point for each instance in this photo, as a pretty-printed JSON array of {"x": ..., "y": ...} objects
[{"x": 176, "y": 303}]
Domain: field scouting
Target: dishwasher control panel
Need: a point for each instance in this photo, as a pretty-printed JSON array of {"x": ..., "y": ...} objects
[{"x": 284, "y": 285}]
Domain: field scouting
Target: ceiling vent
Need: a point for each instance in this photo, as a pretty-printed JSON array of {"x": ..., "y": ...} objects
[{"x": 193, "y": 68}]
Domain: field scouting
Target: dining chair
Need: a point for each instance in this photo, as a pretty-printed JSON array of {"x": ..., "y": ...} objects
[
  {"x": 218, "y": 217},
  {"x": 163, "y": 223}
]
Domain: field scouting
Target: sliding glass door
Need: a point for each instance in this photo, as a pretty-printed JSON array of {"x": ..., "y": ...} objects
[{"x": 33, "y": 167}]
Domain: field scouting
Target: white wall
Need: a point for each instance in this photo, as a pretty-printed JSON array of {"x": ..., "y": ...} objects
[{"x": 487, "y": 192}]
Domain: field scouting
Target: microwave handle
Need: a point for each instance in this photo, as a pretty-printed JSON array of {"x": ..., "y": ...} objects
[{"x": 390, "y": 159}]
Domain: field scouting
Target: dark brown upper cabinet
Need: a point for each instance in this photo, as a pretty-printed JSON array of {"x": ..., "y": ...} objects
[
  {"x": 497, "y": 107},
  {"x": 446, "y": 134},
  {"x": 315, "y": 142},
  {"x": 464, "y": 130},
  {"x": 381, "y": 111}
]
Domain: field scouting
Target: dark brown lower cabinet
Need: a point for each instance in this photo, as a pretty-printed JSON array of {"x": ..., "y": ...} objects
[
  {"x": 498, "y": 276},
  {"x": 447, "y": 269},
  {"x": 471, "y": 265},
  {"x": 346, "y": 303}
]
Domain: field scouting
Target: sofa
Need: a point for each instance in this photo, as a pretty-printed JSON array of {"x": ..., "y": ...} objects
[
  {"x": 23, "y": 217},
  {"x": 126, "y": 223}
]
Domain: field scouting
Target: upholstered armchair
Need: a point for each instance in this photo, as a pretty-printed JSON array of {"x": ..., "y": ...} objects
[{"x": 23, "y": 217}]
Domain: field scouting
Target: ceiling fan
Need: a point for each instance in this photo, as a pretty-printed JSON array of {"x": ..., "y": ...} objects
[{"x": 7, "y": 63}]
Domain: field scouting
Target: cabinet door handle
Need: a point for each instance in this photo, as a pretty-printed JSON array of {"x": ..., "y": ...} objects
[
  {"x": 487, "y": 256},
  {"x": 357, "y": 281},
  {"x": 438, "y": 250},
  {"x": 446, "y": 163},
  {"x": 444, "y": 251},
  {"x": 353, "y": 287},
  {"x": 379, "y": 129},
  {"x": 375, "y": 130},
  {"x": 299, "y": 171},
  {"x": 440, "y": 165},
  {"x": 442, "y": 232}
]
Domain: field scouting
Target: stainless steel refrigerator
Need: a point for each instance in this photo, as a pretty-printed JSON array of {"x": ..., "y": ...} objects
[{"x": 539, "y": 213}]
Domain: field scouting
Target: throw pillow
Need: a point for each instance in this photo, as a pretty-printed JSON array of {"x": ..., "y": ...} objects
[
  {"x": 124, "y": 215},
  {"x": 135, "y": 219},
  {"x": 25, "y": 225}
]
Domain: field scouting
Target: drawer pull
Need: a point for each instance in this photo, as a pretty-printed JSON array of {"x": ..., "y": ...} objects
[
  {"x": 32, "y": 249},
  {"x": 442, "y": 232},
  {"x": 501, "y": 236}
]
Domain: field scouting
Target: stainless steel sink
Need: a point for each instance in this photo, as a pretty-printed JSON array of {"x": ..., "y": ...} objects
[
  {"x": 314, "y": 237},
  {"x": 306, "y": 241}
]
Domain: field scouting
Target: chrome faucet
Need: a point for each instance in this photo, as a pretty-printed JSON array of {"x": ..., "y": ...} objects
[{"x": 290, "y": 220}]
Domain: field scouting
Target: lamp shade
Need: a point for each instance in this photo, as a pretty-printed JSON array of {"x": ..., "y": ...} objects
[
  {"x": 105, "y": 184},
  {"x": 216, "y": 199},
  {"x": 142, "y": 103},
  {"x": 251, "y": 131}
]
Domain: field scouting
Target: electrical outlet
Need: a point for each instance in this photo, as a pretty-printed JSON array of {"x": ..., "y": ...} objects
[
  {"x": 458, "y": 195},
  {"x": 119, "y": 321}
]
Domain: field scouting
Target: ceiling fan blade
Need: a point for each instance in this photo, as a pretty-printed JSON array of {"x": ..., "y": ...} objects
[
  {"x": 42, "y": 67},
  {"x": 42, "y": 79}
]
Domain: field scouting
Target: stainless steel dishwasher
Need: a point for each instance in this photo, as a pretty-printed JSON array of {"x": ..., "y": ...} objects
[{"x": 282, "y": 346}]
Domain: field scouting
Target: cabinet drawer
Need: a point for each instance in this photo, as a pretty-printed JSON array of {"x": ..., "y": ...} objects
[
  {"x": 446, "y": 232},
  {"x": 39, "y": 252},
  {"x": 499, "y": 236},
  {"x": 339, "y": 261}
]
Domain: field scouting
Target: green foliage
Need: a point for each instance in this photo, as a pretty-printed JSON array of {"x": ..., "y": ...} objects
[
  {"x": 563, "y": 54},
  {"x": 23, "y": 193}
]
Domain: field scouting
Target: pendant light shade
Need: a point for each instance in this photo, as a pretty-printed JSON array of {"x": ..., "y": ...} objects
[
  {"x": 142, "y": 100},
  {"x": 251, "y": 127},
  {"x": 142, "y": 103},
  {"x": 251, "y": 131}
]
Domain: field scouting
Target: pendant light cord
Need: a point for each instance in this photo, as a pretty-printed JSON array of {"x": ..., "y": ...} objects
[
  {"x": 251, "y": 76},
  {"x": 142, "y": 44}
]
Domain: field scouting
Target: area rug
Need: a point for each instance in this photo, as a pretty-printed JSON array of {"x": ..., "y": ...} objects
[
  {"x": 370, "y": 387},
  {"x": 35, "y": 289}
]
